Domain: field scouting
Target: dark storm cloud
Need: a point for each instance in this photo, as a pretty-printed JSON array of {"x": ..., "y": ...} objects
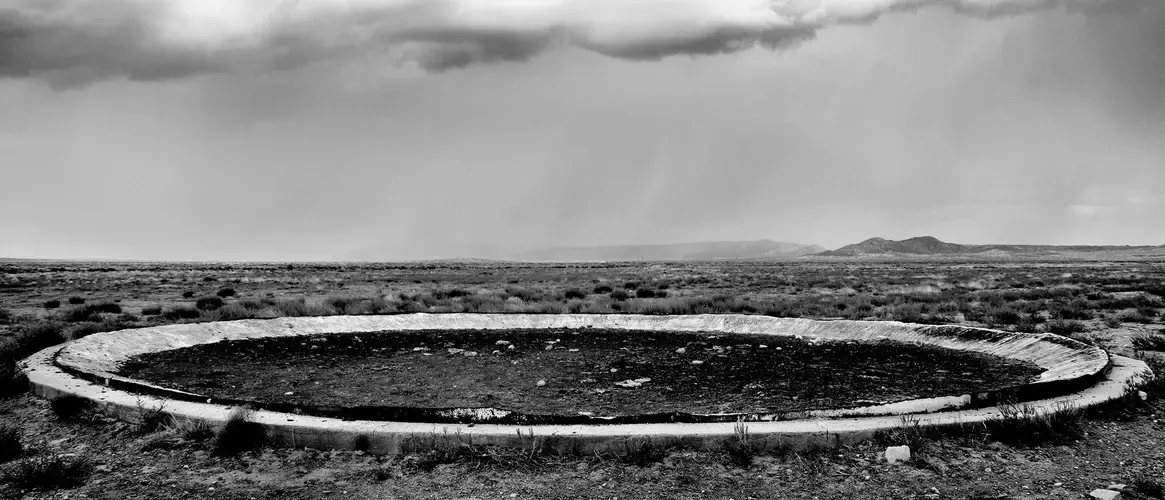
[{"x": 69, "y": 42}]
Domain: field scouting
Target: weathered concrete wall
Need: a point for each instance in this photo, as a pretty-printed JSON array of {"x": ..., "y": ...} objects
[
  {"x": 1062, "y": 358},
  {"x": 48, "y": 380}
]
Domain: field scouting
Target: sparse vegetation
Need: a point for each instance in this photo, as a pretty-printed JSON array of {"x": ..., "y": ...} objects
[
  {"x": 225, "y": 292},
  {"x": 1022, "y": 425},
  {"x": 1081, "y": 300},
  {"x": 10, "y": 446},
  {"x": 197, "y": 431},
  {"x": 76, "y": 300},
  {"x": 152, "y": 419},
  {"x": 240, "y": 434},
  {"x": 1067, "y": 328},
  {"x": 208, "y": 303},
  {"x": 49, "y": 472}
]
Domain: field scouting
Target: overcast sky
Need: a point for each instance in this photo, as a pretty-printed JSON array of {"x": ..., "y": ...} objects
[{"x": 309, "y": 130}]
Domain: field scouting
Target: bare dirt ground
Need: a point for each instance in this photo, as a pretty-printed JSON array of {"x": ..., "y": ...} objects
[
  {"x": 561, "y": 372},
  {"x": 1114, "y": 304}
]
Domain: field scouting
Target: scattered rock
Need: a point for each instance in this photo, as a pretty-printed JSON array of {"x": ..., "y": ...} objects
[
  {"x": 454, "y": 350},
  {"x": 633, "y": 383},
  {"x": 541, "y": 383},
  {"x": 681, "y": 350},
  {"x": 469, "y": 354},
  {"x": 1116, "y": 487},
  {"x": 502, "y": 342},
  {"x": 1144, "y": 395},
  {"x": 697, "y": 362},
  {"x": 895, "y": 454},
  {"x": 1105, "y": 494}
]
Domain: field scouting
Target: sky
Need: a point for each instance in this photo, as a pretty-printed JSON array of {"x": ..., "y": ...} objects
[{"x": 410, "y": 129}]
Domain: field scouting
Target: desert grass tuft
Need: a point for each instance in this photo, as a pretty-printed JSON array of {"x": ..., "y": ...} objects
[
  {"x": 49, "y": 472},
  {"x": 197, "y": 431},
  {"x": 152, "y": 419},
  {"x": 1149, "y": 342},
  {"x": 1023, "y": 425},
  {"x": 208, "y": 303},
  {"x": 240, "y": 434},
  {"x": 10, "y": 444}
]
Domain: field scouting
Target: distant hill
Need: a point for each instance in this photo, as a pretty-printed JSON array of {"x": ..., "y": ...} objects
[
  {"x": 929, "y": 246},
  {"x": 714, "y": 250}
]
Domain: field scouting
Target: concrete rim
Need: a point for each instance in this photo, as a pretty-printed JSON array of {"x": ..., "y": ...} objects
[
  {"x": 49, "y": 381},
  {"x": 1075, "y": 375},
  {"x": 1068, "y": 365}
]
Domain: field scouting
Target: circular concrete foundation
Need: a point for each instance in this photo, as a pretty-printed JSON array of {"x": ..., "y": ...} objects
[{"x": 1075, "y": 374}]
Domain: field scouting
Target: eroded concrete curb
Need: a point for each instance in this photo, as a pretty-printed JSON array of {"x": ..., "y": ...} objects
[
  {"x": 49, "y": 381},
  {"x": 1068, "y": 365}
]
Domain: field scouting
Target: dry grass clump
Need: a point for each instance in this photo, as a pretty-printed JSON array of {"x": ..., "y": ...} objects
[
  {"x": 1149, "y": 341},
  {"x": 49, "y": 472},
  {"x": 10, "y": 444},
  {"x": 180, "y": 312},
  {"x": 208, "y": 303},
  {"x": 239, "y": 434}
]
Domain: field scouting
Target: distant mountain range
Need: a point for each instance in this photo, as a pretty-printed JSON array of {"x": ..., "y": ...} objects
[
  {"x": 929, "y": 246},
  {"x": 713, "y": 250}
]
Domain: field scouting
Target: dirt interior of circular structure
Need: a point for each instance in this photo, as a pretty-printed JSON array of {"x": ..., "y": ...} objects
[{"x": 574, "y": 371}]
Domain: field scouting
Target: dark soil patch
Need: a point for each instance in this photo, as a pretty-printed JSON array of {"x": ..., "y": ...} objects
[{"x": 581, "y": 368}]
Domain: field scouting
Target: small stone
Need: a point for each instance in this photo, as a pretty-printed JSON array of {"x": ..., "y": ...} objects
[
  {"x": 1105, "y": 494},
  {"x": 469, "y": 354},
  {"x": 454, "y": 350},
  {"x": 511, "y": 347},
  {"x": 288, "y": 393},
  {"x": 614, "y": 370},
  {"x": 1057, "y": 485},
  {"x": 1117, "y": 487},
  {"x": 1143, "y": 395},
  {"x": 762, "y": 346},
  {"x": 572, "y": 350},
  {"x": 541, "y": 383},
  {"x": 697, "y": 362},
  {"x": 895, "y": 454},
  {"x": 681, "y": 350},
  {"x": 549, "y": 347},
  {"x": 502, "y": 342}
]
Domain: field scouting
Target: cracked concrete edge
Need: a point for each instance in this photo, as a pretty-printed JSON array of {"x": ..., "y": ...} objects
[
  {"x": 1069, "y": 365},
  {"x": 1062, "y": 359},
  {"x": 50, "y": 381}
]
